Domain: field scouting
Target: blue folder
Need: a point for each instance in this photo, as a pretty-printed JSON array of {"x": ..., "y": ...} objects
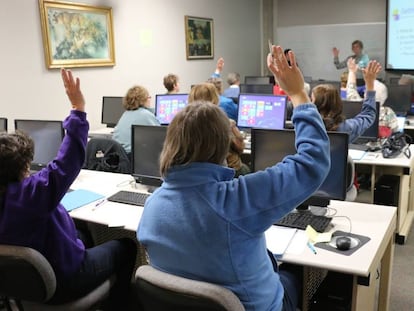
[{"x": 78, "y": 198}]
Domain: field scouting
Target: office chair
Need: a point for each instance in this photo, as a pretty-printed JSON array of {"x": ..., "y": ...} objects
[
  {"x": 161, "y": 291},
  {"x": 27, "y": 278},
  {"x": 106, "y": 154}
]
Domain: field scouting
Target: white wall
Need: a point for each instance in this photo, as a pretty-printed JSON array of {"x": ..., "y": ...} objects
[{"x": 29, "y": 90}]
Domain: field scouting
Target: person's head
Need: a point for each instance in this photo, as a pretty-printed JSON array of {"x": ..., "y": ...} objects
[
  {"x": 233, "y": 78},
  {"x": 171, "y": 83},
  {"x": 327, "y": 99},
  {"x": 137, "y": 96},
  {"x": 16, "y": 154},
  {"x": 344, "y": 79},
  {"x": 198, "y": 133},
  {"x": 218, "y": 83},
  {"x": 357, "y": 47},
  {"x": 204, "y": 92}
]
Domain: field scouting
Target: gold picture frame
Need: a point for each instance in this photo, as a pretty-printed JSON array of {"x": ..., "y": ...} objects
[
  {"x": 76, "y": 35},
  {"x": 199, "y": 37}
]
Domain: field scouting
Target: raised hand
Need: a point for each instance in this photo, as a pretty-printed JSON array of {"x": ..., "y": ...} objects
[
  {"x": 73, "y": 90},
  {"x": 220, "y": 65},
  {"x": 370, "y": 73},
  {"x": 335, "y": 52},
  {"x": 352, "y": 66}
]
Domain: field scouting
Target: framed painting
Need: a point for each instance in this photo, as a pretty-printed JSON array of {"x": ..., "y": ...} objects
[
  {"x": 76, "y": 35},
  {"x": 199, "y": 37}
]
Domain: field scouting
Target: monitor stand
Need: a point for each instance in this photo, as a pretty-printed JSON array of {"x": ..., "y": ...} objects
[{"x": 314, "y": 205}]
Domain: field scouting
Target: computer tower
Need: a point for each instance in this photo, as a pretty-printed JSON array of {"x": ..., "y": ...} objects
[
  {"x": 386, "y": 190},
  {"x": 334, "y": 293}
]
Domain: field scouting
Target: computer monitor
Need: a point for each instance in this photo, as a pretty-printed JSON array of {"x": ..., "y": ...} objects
[
  {"x": 261, "y": 111},
  {"x": 3, "y": 124},
  {"x": 168, "y": 105},
  {"x": 272, "y": 146},
  {"x": 147, "y": 143},
  {"x": 256, "y": 80},
  {"x": 256, "y": 88},
  {"x": 351, "y": 108},
  {"x": 336, "y": 84},
  {"x": 399, "y": 99},
  {"x": 47, "y": 137},
  {"x": 112, "y": 110}
]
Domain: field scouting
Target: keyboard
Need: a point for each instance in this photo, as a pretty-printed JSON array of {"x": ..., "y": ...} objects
[
  {"x": 301, "y": 220},
  {"x": 129, "y": 197}
]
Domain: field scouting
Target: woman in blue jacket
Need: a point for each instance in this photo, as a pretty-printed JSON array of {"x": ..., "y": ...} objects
[{"x": 206, "y": 225}]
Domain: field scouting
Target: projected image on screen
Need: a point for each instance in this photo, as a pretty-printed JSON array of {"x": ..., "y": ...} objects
[
  {"x": 168, "y": 105},
  {"x": 271, "y": 146},
  {"x": 261, "y": 111},
  {"x": 47, "y": 137}
]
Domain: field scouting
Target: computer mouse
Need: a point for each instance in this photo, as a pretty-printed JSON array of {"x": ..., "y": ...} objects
[
  {"x": 407, "y": 122},
  {"x": 343, "y": 243}
]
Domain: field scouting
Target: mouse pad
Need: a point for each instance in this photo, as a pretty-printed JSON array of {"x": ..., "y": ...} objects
[{"x": 356, "y": 242}]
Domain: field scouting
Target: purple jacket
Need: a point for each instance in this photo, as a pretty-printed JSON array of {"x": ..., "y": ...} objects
[{"x": 31, "y": 214}]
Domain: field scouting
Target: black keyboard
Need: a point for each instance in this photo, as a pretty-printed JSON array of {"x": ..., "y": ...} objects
[
  {"x": 129, "y": 197},
  {"x": 301, "y": 220}
]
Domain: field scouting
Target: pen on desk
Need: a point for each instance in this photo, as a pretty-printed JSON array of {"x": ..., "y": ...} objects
[
  {"x": 311, "y": 247},
  {"x": 99, "y": 203}
]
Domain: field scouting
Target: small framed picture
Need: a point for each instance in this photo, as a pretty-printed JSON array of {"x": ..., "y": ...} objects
[
  {"x": 76, "y": 35},
  {"x": 199, "y": 37}
]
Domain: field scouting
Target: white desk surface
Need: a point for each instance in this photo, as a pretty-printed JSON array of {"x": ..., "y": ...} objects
[
  {"x": 375, "y": 221},
  {"x": 376, "y": 158},
  {"x": 101, "y": 132}
]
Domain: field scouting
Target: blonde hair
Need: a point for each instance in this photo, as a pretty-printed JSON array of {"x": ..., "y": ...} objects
[
  {"x": 204, "y": 92},
  {"x": 170, "y": 81},
  {"x": 218, "y": 83},
  {"x": 136, "y": 97},
  {"x": 198, "y": 133}
]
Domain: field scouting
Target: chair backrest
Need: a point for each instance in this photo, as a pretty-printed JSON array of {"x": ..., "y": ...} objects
[
  {"x": 25, "y": 274},
  {"x": 158, "y": 291},
  {"x": 105, "y": 154}
]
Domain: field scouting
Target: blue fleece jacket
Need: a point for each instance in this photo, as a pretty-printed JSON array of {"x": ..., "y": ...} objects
[{"x": 203, "y": 224}]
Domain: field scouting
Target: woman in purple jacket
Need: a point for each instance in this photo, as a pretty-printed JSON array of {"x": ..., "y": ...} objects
[{"x": 31, "y": 214}]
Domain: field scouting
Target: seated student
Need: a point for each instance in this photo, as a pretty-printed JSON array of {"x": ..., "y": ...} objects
[
  {"x": 227, "y": 104},
  {"x": 326, "y": 97},
  {"x": 213, "y": 225},
  {"x": 208, "y": 92},
  {"x": 233, "y": 79},
  {"x": 32, "y": 216},
  {"x": 136, "y": 102},
  {"x": 388, "y": 122},
  {"x": 171, "y": 83}
]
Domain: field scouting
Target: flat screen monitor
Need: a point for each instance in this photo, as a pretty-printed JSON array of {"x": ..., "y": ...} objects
[
  {"x": 112, "y": 110},
  {"x": 399, "y": 98},
  {"x": 47, "y": 137},
  {"x": 147, "y": 143},
  {"x": 272, "y": 146},
  {"x": 256, "y": 88},
  {"x": 168, "y": 105},
  {"x": 261, "y": 111},
  {"x": 351, "y": 108},
  {"x": 336, "y": 84},
  {"x": 3, "y": 124},
  {"x": 256, "y": 80}
]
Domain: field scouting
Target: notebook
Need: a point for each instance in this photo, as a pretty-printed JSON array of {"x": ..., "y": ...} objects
[
  {"x": 80, "y": 197},
  {"x": 278, "y": 239}
]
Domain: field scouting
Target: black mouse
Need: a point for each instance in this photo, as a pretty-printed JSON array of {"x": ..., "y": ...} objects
[{"x": 343, "y": 243}]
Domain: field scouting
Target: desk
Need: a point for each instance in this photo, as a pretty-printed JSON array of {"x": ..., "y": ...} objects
[
  {"x": 375, "y": 221},
  {"x": 374, "y": 164},
  {"x": 105, "y": 132},
  {"x": 362, "y": 264}
]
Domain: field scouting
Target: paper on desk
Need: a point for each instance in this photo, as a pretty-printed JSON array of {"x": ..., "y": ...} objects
[
  {"x": 278, "y": 239},
  {"x": 356, "y": 154},
  {"x": 316, "y": 237}
]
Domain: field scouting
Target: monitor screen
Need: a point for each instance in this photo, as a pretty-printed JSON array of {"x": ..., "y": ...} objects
[
  {"x": 399, "y": 98},
  {"x": 112, "y": 110},
  {"x": 47, "y": 137},
  {"x": 351, "y": 108},
  {"x": 3, "y": 124},
  {"x": 261, "y": 111},
  {"x": 168, "y": 105},
  {"x": 256, "y": 80},
  {"x": 147, "y": 143},
  {"x": 256, "y": 88},
  {"x": 271, "y": 146}
]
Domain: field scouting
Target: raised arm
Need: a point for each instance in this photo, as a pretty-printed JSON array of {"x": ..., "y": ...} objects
[
  {"x": 370, "y": 74},
  {"x": 73, "y": 90},
  {"x": 219, "y": 68}
]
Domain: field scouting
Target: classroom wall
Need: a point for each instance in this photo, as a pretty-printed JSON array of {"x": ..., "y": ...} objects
[
  {"x": 312, "y": 28},
  {"x": 149, "y": 43}
]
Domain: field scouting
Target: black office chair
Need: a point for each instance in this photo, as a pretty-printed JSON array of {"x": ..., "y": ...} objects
[
  {"x": 106, "y": 154},
  {"x": 160, "y": 291},
  {"x": 27, "y": 278}
]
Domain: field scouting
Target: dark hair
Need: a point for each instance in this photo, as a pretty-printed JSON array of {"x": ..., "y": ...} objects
[
  {"x": 359, "y": 42},
  {"x": 328, "y": 101},
  {"x": 198, "y": 133},
  {"x": 16, "y": 154}
]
